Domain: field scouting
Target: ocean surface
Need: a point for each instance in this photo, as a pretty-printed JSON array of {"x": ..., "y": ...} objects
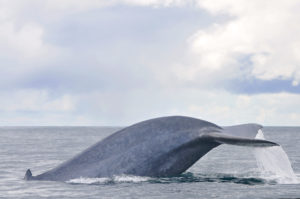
[{"x": 225, "y": 172}]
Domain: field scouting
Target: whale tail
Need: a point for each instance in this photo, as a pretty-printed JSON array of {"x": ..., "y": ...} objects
[
  {"x": 243, "y": 130},
  {"x": 28, "y": 175},
  {"x": 222, "y": 138},
  {"x": 241, "y": 135}
]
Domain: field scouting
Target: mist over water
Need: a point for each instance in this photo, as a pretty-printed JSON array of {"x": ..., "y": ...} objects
[{"x": 274, "y": 163}]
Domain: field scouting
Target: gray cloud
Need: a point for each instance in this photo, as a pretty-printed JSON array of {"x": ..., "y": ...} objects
[
  {"x": 114, "y": 48},
  {"x": 117, "y": 64}
]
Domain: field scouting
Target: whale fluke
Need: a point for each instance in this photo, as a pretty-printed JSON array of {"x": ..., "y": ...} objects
[
  {"x": 223, "y": 138},
  {"x": 243, "y": 130},
  {"x": 160, "y": 147}
]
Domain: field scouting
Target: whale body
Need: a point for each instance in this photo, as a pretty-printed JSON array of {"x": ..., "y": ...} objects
[{"x": 159, "y": 147}]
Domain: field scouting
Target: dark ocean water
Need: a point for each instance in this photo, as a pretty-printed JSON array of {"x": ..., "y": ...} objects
[{"x": 225, "y": 172}]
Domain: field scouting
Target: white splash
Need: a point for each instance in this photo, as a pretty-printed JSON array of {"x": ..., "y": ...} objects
[
  {"x": 130, "y": 178},
  {"x": 114, "y": 179},
  {"x": 82, "y": 180},
  {"x": 274, "y": 163}
]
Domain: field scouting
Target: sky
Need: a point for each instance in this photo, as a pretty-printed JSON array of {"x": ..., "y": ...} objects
[{"x": 118, "y": 62}]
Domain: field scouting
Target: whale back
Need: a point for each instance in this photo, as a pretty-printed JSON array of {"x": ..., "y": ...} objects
[{"x": 157, "y": 147}]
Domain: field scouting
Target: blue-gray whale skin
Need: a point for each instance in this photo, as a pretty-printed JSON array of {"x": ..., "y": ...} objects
[{"x": 159, "y": 147}]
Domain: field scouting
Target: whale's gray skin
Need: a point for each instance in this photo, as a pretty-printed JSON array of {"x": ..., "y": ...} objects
[{"x": 159, "y": 147}]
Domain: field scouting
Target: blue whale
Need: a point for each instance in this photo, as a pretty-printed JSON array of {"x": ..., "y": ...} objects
[{"x": 159, "y": 147}]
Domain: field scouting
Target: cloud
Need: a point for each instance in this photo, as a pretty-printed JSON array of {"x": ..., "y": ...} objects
[
  {"x": 39, "y": 107},
  {"x": 22, "y": 45},
  {"x": 28, "y": 107},
  {"x": 118, "y": 62},
  {"x": 30, "y": 100},
  {"x": 268, "y": 109},
  {"x": 22, "y": 42},
  {"x": 256, "y": 86},
  {"x": 129, "y": 48},
  {"x": 253, "y": 40},
  {"x": 263, "y": 33}
]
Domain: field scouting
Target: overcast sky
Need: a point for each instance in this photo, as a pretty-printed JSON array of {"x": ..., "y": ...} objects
[{"x": 118, "y": 62}]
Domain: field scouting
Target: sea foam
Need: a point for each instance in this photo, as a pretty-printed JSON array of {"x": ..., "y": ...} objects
[{"x": 114, "y": 179}]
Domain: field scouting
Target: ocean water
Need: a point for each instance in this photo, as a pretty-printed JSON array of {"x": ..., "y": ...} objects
[{"x": 225, "y": 172}]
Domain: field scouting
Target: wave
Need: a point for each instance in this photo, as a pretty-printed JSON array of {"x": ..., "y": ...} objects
[
  {"x": 188, "y": 177},
  {"x": 112, "y": 180}
]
